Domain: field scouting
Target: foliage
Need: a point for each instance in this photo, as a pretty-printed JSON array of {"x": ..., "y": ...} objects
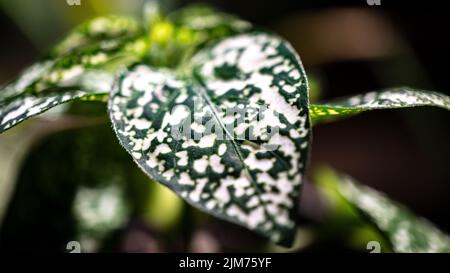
[
  {"x": 405, "y": 232},
  {"x": 210, "y": 107}
]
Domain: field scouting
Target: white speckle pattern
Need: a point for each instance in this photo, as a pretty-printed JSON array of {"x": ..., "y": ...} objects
[
  {"x": 107, "y": 28},
  {"x": 71, "y": 68},
  {"x": 28, "y": 106},
  {"x": 407, "y": 232},
  {"x": 229, "y": 172},
  {"x": 389, "y": 99}
]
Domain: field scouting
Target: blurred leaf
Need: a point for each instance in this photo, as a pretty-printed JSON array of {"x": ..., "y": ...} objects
[
  {"x": 251, "y": 177},
  {"x": 96, "y": 31},
  {"x": 72, "y": 69},
  {"x": 206, "y": 19},
  {"x": 405, "y": 231},
  {"x": 304, "y": 238},
  {"x": 315, "y": 87},
  {"x": 152, "y": 13},
  {"x": 75, "y": 185},
  {"x": 27, "y": 106},
  {"x": 43, "y": 21},
  {"x": 327, "y": 181},
  {"x": 344, "y": 224},
  {"x": 161, "y": 197},
  {"x": 173, "y": 40},
  {"x": 15, "y": 145},
  {"x": 84, "y": 63},
  {"x": 388, "y": 99}
]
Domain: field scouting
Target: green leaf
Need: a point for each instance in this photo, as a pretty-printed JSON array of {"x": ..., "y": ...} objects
[
  {"x": 207, "y": 19},
  {"x": 14, "y": 111},
  {"x": 86, "y": 193},
  {"x": 344, "y": 223},
  {"x": 241, "y": 153},
  {"x": 388, "y": 99},
  {"x": 81, "y": 67},
  {"x": 406, "y": 232},
  {"x": 97, "y": 42},
  {"x": 97, "y": 30},
  {"x": 174, "y": 39}
]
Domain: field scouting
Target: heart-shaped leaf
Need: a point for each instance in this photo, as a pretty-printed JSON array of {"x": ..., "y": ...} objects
[
  {"x": 231, "y": 137},
  {"x": 405, "y": 231},
  {"x": 388, "y": 99}
]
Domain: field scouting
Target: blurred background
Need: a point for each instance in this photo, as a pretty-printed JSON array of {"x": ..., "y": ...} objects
[{"x": 52, "y": 193}]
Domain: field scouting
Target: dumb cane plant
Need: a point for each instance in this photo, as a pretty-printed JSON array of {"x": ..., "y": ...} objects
[{"x": 171, "y": 82}]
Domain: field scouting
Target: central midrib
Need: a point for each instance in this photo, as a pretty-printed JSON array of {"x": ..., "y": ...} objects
[{"x": 205, "y": 96}]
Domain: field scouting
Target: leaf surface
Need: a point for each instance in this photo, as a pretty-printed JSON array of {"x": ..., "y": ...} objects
[
  {"x": 207, "y": 19},
  {"x": 81, "y": 66},
  {"x": 231, "y": 137},
  {"x": 406, "y": 232},
  {"x": 95, "y": 31},
  {"x": 388, "y": 99}
]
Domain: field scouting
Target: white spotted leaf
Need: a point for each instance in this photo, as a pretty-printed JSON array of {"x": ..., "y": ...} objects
[
  {"x": 97, "y": 31},
  {"x": 406, "y": 232},
  {"x": 387, "y": 99},
  {"x": 231, "y": 136},
  {"x": 81, "y": 66}
]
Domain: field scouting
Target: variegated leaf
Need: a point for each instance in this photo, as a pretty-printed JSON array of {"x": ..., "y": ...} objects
[
  {"x": 207, "y": 19},
  {"x": 232, "y": 138},
  {"x": 173, "y": 40},
  {"x": 388, "y": 99},
  {"x": 74, "y": 184},
  {"x": 95, "y": 84},
  {"x": 85, "y": 70},
  {"x": 406, "y": 232},
  {"x": 98, "y": 30}
]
